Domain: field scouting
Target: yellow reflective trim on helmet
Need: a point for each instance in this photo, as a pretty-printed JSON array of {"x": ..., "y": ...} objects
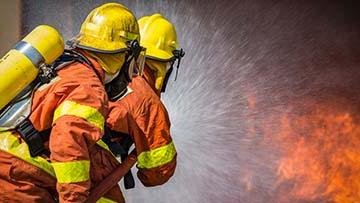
[
  {"x": 105, "y": 200},
  {"x": 128, "y": 35},
  {"x": 10, "y": 144},
  {"x": 88, "y": 113},
  {"x": 156, "y": 157},
  {"x": 72, "y": 172}
]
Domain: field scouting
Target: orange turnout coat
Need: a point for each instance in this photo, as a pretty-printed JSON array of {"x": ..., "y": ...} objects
[
  {"x": 75, "y": 106},
  {"x": 142, "y": 115}
]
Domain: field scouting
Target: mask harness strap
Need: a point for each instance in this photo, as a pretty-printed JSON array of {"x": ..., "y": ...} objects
[{"x": 32, "y": 137}]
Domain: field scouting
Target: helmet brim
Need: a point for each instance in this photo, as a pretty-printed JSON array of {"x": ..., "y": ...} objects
[{"x": 158, "y": 54}]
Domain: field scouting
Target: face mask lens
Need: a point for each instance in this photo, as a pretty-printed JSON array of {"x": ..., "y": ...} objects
[
  {"x": 168, "y": 66},
  {"x": 132, "y": 67},
  {"x": 140, "y": 62}
]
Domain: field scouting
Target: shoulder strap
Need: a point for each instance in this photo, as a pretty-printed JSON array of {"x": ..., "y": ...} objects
[{"x": 32, "y": 137}]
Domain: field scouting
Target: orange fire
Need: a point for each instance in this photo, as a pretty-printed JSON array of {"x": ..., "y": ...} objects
[{"x": 321, "y": 155}]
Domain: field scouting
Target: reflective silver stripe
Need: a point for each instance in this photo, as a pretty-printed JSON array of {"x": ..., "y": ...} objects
[{"x": 29, "y": 51}]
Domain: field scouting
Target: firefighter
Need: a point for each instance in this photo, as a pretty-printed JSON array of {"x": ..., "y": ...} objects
[
  {"x": 67, "y": 117},
  {"x": 140, "y": 112}
]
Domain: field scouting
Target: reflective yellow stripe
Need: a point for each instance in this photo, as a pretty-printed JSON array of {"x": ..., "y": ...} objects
[
  {"x": 103, "y": 145},
  {"x": 128, "y": 35},
  {"x": 10, "y": 144},
  {"x": 156, "y": 157},
  {"x": 105, "y": 200},
  {"x": 72, "y": 172},
  {"x": 88, "y": 113}
]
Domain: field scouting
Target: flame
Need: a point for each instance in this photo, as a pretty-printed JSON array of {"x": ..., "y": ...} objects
[{"x": 321, "y": 156}]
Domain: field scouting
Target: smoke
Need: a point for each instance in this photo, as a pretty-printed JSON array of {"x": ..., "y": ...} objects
[{"x": 245, "y": 63}]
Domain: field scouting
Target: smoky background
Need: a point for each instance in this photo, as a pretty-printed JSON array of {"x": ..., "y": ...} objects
[{"x": 247, "y": 63}]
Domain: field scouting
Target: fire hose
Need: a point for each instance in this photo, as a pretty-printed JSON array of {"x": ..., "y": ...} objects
[{"x": 113, "y": 179}]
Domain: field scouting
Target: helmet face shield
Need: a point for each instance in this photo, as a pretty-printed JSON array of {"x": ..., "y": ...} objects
[
  {"x": 169, "y": 65},
  {"x": 132, "y": 68},
  {"x": 139, "y": 63},
  {"x": 135, "y": 60}
]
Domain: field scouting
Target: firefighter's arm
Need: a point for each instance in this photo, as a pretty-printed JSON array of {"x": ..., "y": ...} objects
[
  {"x": 155, "y": 148},
  {"x": 78, "y": 122}
]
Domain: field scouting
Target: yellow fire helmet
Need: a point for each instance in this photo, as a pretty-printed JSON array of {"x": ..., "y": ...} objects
[
  {"x": 108, "y": 29},
  {"x": 158, "y": 36}
]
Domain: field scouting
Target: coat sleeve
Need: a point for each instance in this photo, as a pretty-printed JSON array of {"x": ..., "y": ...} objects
[
  {"x": 146, "y": 120},
  {"x": 78, "y": 123},
  {"x": 154, "y": 145}
]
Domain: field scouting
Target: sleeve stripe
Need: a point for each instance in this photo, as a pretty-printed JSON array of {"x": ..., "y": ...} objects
[
  {"x": 105, "y": 200},
  {"x": 156, "y": 157},
  {"x": 103, "y": 145},
  {"x": 72, "y": 172},
  {"x": 88, "y": 113},
  {"x": 10, "y": 143}
]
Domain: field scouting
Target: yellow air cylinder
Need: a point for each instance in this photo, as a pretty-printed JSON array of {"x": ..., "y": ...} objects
[{"x": 20, "y": 66}]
